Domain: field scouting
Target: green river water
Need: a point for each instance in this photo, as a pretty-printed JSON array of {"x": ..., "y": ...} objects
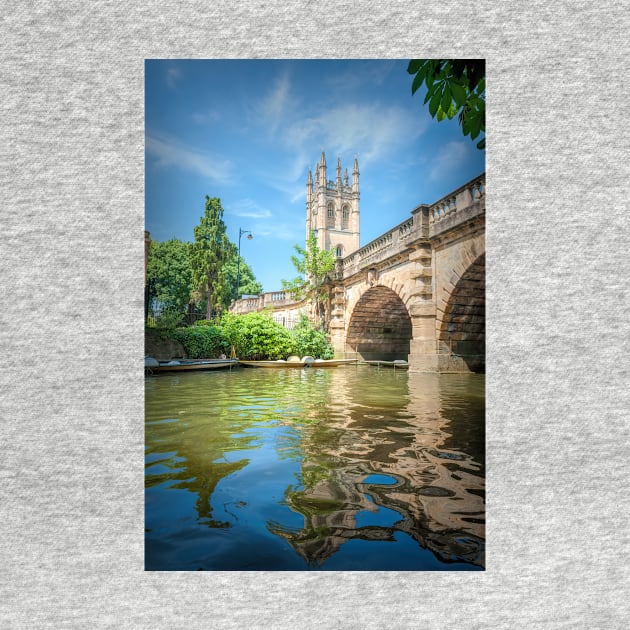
[{"x": 350, "y": 468}]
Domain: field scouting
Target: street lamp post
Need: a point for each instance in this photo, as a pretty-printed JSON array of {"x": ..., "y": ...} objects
[{"x": 250, "y": 236}]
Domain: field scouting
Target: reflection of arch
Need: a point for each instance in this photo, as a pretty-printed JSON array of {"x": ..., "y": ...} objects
[
  {"x": 462, "y": 327},
  {"x": 380, "y": 326}
]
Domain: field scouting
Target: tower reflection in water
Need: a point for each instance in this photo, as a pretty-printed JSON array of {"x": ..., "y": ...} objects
[
  {"x": 380, "y": 464},
  {"x": 317, "y": 469}
]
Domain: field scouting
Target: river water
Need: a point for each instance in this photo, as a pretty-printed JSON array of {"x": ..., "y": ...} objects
[{"x": 350, "y": 468}]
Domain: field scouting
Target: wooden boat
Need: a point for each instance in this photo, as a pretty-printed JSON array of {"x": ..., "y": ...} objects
[
  {"x": 184, "y": 365},
  {"x": 399, "y": 364},
  {"x": 305, "y": 362}
]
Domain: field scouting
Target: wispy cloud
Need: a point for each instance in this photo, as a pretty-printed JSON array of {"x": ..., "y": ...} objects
[
  {"x": 368, "y": 72},
  {"x": 205, "y": 117},
  {"x": 173, "y": 75},
  {"x": 274, "y": 106},
  {"x": 248, "y": 208},
  {"x": 370, "y": 131},
  {"x": 280, "y": 231},
  {"x": 171, "y": 153}
]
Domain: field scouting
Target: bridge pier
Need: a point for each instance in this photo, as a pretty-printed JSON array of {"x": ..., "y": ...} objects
[{"x": 423, "y": 355}]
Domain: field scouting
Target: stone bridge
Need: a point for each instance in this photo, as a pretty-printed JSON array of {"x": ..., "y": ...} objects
[{"x": 416, "y": 292}]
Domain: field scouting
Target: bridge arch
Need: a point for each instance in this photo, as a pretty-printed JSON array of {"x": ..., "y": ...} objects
[
  {"x": 380, "y": 326},
  {"x": 461, "y": 327}
]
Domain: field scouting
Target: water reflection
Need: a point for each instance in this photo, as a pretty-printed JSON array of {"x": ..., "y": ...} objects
[{"x": 352, "y": 468}]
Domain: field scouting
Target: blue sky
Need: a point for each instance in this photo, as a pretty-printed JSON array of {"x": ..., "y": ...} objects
[{"x": 247, "y": 131}]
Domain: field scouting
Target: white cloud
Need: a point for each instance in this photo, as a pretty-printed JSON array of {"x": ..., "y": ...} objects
[
  {"x": 274, "y": 106},
  {"x": 172, "y": 76},
  {"x": 371, "y": 131},
  {"x": 366, "y": 73},
  {"x": 170, "y": 153},
  {"x": 281, "y": 231},
  {"x": 203, "y": 118},
  {"x": 248, "y": 208}
]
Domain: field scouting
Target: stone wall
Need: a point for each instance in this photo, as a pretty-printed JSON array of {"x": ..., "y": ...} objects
[{"x": 162, "y": 350}]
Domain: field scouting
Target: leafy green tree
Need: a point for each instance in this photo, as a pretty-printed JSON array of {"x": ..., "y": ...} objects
[
  {"x": 169, "y": 275},
  {"x": 454, "y": 87},
  {"x": 313, "y": 265},
  {"x": 208, "y": 254},
  {"x": 248, "y": 282}
]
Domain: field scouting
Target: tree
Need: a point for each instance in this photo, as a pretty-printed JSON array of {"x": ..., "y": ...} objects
[
  {"x": 454, "y": 86},
  {"x": 313, "y": 265},
  {"x": 208, "y": 254},
  {"x": 169, "y": 276},
  {"x": 248, "y": 282}
]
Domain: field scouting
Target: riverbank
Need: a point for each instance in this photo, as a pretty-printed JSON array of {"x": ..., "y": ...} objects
[{"x": 161, "y": 349}]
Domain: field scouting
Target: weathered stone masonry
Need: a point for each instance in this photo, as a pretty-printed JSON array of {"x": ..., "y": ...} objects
[{"x": 416, "y": 292}]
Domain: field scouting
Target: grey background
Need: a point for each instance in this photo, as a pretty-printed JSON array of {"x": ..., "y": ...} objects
[{"x": 71, "y": 172}]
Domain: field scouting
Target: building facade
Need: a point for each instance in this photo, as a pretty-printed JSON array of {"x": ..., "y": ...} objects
[{"x": 332, "y": 209}]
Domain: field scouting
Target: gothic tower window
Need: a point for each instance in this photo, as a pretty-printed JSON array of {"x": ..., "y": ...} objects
[
  {"x": 345, "y": 217},
  {"x": 339, "y": 251},
  {"x": 331, "y": 214}
]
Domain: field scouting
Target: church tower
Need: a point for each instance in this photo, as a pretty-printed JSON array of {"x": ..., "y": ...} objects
[{"x": 332, "y": 208}]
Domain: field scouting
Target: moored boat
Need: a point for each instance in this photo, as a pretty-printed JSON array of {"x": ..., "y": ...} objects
[
  {"x": 305, "y": 362},
  {"x": 183, "y": 365},
  {"x": 398, "y": 364}
]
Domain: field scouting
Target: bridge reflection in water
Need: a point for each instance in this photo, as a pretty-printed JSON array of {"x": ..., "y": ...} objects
[{"x": 351, "y": 469}]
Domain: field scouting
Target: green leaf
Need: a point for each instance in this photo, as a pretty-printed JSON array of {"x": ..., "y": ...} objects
[
  {"x": 414, "y": 66},
  {"x": 466, "y": 123},
  {"x": 446, "y": 98},
  {"x": 417, "y": 82},
  {"x": 475, "y": 124},
  {"x": 440, "y": 115},
  {"x": 459, "y": 94},
  {"x": 434, "y": 104}
]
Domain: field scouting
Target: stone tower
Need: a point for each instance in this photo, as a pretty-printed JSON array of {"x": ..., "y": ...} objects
[{"x": 332, "y": 208}]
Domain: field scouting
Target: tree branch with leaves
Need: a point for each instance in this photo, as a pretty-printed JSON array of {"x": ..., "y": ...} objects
[{"x": 454, "y": 87}]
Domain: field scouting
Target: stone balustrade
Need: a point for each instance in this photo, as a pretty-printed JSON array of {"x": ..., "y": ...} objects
[
  {"x": 425, "y": 222},
  {"x": 273, "y": 299},
  {"x": 382, "y": 247},
  {"x": 463, "y": 197}
]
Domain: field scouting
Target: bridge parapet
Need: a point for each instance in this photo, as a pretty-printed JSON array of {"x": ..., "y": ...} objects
[
  {"x": 457, "y": 206},
  {"x": 383, "y": 247},
  {"x": 274, "y": 299},
  {"x": 425, "y": 222}
]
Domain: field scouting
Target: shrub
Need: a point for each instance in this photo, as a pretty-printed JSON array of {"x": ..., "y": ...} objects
[
  {"x": 167, "y": 322},
  {"x": 309, "y": 341},
  {"x": 205, "y": 322},
  {"x": 256, "y": 336},
  {"x": 202, "y": 342}
]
